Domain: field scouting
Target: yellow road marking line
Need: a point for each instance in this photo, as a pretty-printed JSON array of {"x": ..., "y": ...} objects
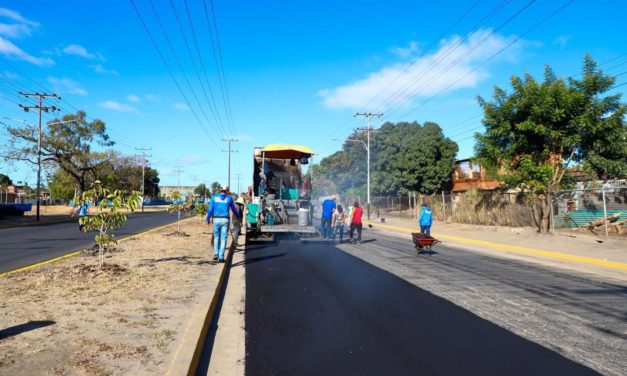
[
  {"x": 74, "y": 253},
  {"x": 518, "y": 249}
]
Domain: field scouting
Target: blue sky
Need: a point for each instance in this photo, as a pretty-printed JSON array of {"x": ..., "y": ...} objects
[{"x": 295, "y": 72}]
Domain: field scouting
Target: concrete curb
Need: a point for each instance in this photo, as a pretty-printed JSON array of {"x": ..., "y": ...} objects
[{"x": 188, "y": 354}]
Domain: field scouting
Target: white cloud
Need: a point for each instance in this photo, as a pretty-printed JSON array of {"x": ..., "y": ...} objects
[
  {"x": 9, "y": 49},
  {"x": 117, "y": 106},
  {"x": 456, "y": 56},
  {"x": 17, "y": 26},
  {"x": 189, "y": 160},
  {"x": 100, "y": 69},
  {"x": 180, "y": 106},
  {"x": 405, "y": 52},
  {"x": 78, "y": 50},
  {"x": 66, "y": 86},
  {"x": 133, "y": 98},
  {"x": 562, "y": 40}
]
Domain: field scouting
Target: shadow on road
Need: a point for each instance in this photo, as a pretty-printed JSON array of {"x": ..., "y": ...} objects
[
  {"x": 257, "y": 259},
  {"x": 23, "y": 328}
]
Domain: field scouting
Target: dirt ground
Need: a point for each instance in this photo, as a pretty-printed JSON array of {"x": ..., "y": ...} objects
[{"x": 71, "y": 318}]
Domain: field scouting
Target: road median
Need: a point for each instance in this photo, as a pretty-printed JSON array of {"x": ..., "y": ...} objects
[{"x": 71, "y": 317}]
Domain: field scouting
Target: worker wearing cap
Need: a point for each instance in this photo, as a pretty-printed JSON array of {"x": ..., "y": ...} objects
[{"x": 219, "y": 207}]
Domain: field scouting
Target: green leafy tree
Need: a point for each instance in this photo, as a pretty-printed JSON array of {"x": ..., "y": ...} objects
[
  {"x": 410, "y": 157},
  {"x": 61, "y": 185},
  {"x": 110, "y": 214},
  {"x": 215, "y": 187},
  {"x": 5, "y": 180},
  {"x": 536, "y": 132},
  {"x": 202, "y": 190},
  {"x": 404, "y": 157},
  {"x": 68, "y": 145}
]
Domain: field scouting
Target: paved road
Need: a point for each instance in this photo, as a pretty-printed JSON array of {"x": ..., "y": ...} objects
[
  {"x": 23, "y": 246},
  {"x": 314, "y": 309}
]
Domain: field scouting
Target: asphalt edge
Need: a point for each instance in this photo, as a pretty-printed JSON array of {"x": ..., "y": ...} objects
[
  {"x": 78, "y": 252},
  {"x": 45, "y": 223},
  {"x": 187, "y": 356}
]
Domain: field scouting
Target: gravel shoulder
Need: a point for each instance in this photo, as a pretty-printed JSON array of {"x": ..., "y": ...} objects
[{"x": 71, "y": 318}]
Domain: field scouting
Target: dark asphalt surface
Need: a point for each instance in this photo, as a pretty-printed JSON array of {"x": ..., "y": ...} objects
[
  {"x": 23, "y": 246},
  {"x": 313, "y": 309}
]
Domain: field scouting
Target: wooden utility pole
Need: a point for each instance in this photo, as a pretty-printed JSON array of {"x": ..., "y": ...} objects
[
  {"x": 368, "y": 130},
  {"x": 40, "y": 107}
]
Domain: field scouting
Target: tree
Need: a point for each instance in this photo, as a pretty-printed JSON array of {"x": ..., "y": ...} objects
[
  {"x": 202, "y": 190},
  {"x": 535, "y": 133},
  {"x": 110, "y": 214},
  {"x": 61, "y": 185},
  {"x": 215, "y": 187},
  {"x": 5, "y": 180},
  {"x": 405, "y": 157},
  {"x": 67, "y": 144},
  {"x": 411, "y": 157},
  {"x": 179, "y": 203}
]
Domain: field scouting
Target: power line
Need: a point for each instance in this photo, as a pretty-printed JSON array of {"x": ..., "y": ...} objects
[
  {"x": 165, "y": 63},
  {"x": 217, "y": 56},
  {"x": 462, "y": 57},
  {"x": 178, "y": 62},
  {"x": 536, "y": 25},
  {"x": 216, "y": 116}
]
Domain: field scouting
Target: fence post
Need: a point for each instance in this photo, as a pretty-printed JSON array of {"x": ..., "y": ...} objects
[{"x": 604, "y": 211}]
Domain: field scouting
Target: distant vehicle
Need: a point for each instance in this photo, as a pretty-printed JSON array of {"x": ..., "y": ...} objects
[{"x": 281, "y": 195}]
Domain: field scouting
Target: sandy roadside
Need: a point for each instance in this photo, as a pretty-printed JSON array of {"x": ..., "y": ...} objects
[{"x": 70, "y": 318}]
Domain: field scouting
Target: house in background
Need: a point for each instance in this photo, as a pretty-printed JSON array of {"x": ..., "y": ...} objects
[{"x": 470, "y": 175}]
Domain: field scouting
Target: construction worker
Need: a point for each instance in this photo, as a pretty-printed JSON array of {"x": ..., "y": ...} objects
[
  {"x": 426, "y": 218},
  {"x": 219, "y": 207}
]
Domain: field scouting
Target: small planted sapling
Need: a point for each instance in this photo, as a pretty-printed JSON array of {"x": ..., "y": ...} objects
[{"x": 109, "y": 214}]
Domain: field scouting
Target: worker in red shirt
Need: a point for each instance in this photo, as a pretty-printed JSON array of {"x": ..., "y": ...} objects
[{"x": 355, "y": 221}]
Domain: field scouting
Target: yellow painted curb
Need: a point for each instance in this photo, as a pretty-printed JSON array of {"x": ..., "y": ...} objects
[
  {"x": 514, "y": 248},
  {"x": 187, "y": 356},
  {"x": 74, "y": 253}
]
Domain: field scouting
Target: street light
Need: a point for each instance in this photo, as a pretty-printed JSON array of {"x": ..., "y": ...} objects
[{"x": 367, "y": 146}]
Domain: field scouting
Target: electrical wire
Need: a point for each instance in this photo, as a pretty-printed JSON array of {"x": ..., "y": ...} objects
[{"x": 165, "y": 63}]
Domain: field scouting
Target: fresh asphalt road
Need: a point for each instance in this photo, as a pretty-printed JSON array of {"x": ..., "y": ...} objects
[
  {"x": 314, "y": 309},
  {"x": 23, "y": 246}
]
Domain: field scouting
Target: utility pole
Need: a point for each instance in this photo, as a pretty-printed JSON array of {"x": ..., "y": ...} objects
[
  {"x": 368, "y": 130},
  {"x": 229, "y": 140},
  {"x": 40, "y": 107},
  {"x": 178, "y": 170},
  {"x": 238, "y": 175},
  {"x": 143, "y": 155}
]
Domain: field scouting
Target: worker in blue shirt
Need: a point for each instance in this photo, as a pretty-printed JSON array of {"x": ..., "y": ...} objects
[
  {"x": 219, "y": 209},
  {"x": 426, "y": 218}
]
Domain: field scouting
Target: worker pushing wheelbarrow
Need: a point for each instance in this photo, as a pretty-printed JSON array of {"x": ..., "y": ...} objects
[{"x": 423, "y": 240}]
